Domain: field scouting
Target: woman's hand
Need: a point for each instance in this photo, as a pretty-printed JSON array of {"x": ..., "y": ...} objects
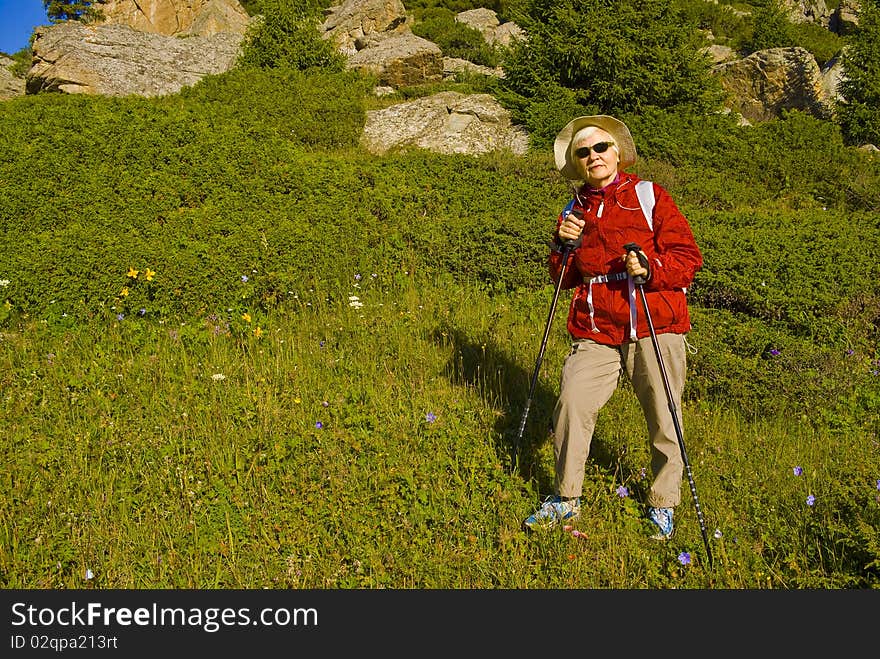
[
  {"x": 571, "y": 226},
  {"x": 634, "y": 266}
]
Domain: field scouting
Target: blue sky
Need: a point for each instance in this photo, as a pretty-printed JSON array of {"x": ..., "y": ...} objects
[{"x": 18, "y": 18}]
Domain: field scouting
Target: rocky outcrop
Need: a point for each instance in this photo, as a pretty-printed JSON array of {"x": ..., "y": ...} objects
[
  {"x": 808, "y": 11},
  {"x": 400, "y": 60},
  {"x": 447, "y": 122},
  {"x": 487, "y": 23},
  {"x": 116, "y": 60},
  {"x": 767, "y": 82},
  {"x": 350, "y": 25},
  {"x": 177, "y": 17}
]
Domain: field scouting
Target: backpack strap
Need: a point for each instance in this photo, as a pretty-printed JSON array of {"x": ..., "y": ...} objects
[{"x": 645, "y": 193}]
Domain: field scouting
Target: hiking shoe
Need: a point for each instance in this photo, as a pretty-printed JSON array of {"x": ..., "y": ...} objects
[
  {"x": 661, "y": 518},
  {"x": 555, "y": 509}
]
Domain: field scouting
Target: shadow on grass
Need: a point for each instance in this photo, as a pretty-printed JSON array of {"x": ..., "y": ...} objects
[{"x": 504, "y": 380}]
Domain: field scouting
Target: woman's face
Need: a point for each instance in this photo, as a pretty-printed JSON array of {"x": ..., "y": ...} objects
[{"x": 597, "y": 169}]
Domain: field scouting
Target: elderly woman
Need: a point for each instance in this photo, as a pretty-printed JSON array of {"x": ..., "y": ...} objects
[{"x": 609, "y": 335}]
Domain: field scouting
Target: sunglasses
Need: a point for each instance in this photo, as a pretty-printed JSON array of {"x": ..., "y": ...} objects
[{"x": 598, "y": 147}]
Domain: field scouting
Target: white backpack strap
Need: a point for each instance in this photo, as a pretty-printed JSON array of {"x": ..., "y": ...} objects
[{"x": 645, "y": 192}]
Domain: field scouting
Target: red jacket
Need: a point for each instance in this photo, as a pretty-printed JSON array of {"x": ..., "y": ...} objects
[{"x": 601, "y": 310}]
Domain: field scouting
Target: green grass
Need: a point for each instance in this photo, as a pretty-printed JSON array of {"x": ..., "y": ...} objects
[{"x": 369, "y": 447}]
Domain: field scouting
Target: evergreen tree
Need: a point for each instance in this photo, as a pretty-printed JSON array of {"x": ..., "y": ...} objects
[
  {"x": 605, "y": 56},
  {"x": 288, "y": 37},
  {"x": 73, "y": 10},
  {"x": 859, "y": 114}
]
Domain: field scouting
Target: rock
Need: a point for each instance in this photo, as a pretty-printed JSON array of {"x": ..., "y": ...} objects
[
  {"x": 767, "y": 82},
  {"x": 447, "y": 122},
  {"x": 116, "y": 60},
  {"x": 10, "y": 86},
  {"x": 486, "y": 22},
  {"x": 177, "y": 17},
  {"x": 353, "y": 21},
  {"x": 400, "y": 60},
  {"x": 454, "y": 65}
]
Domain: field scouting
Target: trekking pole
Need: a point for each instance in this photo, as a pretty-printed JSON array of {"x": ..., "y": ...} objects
[
  {"x": 568, "y": 247},
  {"x": 640, "y": 283}
]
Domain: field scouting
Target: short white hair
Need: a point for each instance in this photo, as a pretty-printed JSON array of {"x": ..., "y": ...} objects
[{"x": 584, "y": 133}]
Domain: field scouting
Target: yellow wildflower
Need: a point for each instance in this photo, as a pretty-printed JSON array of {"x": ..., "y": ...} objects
[
  {"x": 149, "y": 274},
  {"x": 258, "y": 331},
  {"x": 246, "y": 317},
  {"x": 133, "y": 273},
  {"x": 124, "y": 291}
]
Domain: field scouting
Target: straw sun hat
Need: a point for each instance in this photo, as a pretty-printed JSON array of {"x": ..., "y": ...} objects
[{"x": 614, "y": 127}]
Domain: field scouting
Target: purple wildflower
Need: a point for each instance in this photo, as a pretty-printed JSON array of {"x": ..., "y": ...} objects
[
  {"x": 244, "y": 279},
  {"x": 775, "y": 352},
  {"x": 811, "y": 500},
  {"x": 622, "y": 492},
  {"x": 798, "y": 471},
  {"x": 319, "y": 425},
  {"x": 430, "y": 417},
  {"x": 684, "y": 558},
  {"x": 120, "y": 316}
]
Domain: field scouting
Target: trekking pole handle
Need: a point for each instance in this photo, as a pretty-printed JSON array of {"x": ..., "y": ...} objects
[
  {"x": 574, "y": 244},
  {"x": 632, "y": 247}
]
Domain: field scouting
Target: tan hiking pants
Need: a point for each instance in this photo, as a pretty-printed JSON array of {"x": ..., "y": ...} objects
[{"x": 590, "y": 376}]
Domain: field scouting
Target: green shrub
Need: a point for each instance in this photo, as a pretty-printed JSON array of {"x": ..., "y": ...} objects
[
  {"x": 288, "y": 37},
  {"x": 455, "y": 39},
  {"x": 822, "y": 43},
  {"x": 770, "y": 28},
  {"x": 715, "y": 17},
  {"x": 859, "y": 115},
  {"x": 620, "y": 58}
]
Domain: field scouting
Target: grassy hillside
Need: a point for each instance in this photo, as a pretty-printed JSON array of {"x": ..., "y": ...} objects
[{"x": 239, "y": 352}]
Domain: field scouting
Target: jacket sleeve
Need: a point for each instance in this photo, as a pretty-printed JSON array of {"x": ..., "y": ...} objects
[{"x": 676, "y": 258}]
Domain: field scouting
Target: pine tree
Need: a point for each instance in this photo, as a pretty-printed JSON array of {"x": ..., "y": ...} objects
[
  {"x": 75, "y": 10},
  {"x": 606, "y": 56},
  {"x": 859, "y": 114}
]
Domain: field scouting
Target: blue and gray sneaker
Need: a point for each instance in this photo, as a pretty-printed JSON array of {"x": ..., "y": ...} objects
[
  {"x": 555, "y": 509},
  {"x": 661, "y": 518}
]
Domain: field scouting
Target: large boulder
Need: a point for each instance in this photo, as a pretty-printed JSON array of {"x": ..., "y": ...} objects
[
  {"x": 116, "y": 60},
  {"x": 446, "y": 122},
  {"x": 348, "y": 26},
  {"x": 400, "y": 60},
  {"x": 767, "y": 82}
]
